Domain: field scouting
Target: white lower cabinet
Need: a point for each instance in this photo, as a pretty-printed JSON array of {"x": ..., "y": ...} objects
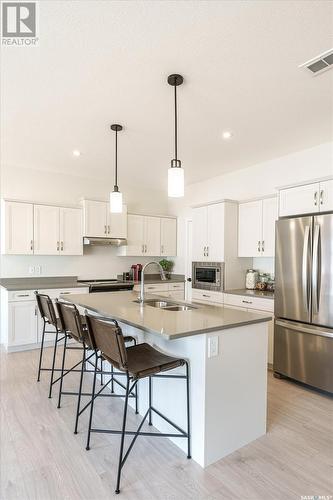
[
  {"x": 174, "y": 291},
  {"x": 24, "y": 325},
  {"x": 215, "y": 298},
  {"x": 256, "y": 305}
]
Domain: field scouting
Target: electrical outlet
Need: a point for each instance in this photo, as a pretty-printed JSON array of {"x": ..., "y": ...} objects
[
  {"x": 38, "y": 269},
  {"x": 31, "y": 269},
  {"x": 213, "y": 346}
]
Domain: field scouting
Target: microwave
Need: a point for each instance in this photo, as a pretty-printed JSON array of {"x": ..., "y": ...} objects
[{"x": 208, "y": 276}]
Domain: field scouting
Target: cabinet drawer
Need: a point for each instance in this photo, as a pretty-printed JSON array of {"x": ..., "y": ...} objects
[
  {"x": 54, "y": 293},
  {"x": 21, "y": 295},
  {"x": 156, "y": 288},
  {"x": 249, "y": 302},
  {"x": 176, "y": 286},
  {"x": 206, "y": 296}
]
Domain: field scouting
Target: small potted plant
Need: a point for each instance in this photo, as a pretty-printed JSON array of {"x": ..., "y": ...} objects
[{"x": 167, "y": 266}]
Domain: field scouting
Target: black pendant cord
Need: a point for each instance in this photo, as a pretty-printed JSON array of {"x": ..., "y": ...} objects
[
  {"x": 116, "y": 162},
  {"x": 176, "y": 128}
]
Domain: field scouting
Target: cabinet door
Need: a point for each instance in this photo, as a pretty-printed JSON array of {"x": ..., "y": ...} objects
[
  {"x": 269, "y": 216},
  {"x": 249, "y": 229},
  {"x": 95, "y": 218},
  {"x": 168, "y": 237},
  {"x": 46, "y": 230},
  {"x": 152, "y": 236},
  {"x": 135, "y": 229},
  {"x": 326, "y": 196},
  {"x": 299, "y": 200},
  {"x": 71, "y": 231},
  {"x": 22, "y": 323},
  {"x": 199, "y": 234},
  {"x": 117, "y": 223},
  {"x": 18, "y": 228},
  {"x": 215, "y": 233}
]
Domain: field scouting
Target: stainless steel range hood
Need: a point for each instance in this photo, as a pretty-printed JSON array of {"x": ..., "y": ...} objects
[{"x": 116, "y": 242}]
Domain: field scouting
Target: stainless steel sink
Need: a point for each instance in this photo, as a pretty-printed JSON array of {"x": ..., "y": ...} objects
[{"x": 165, "y": 304}]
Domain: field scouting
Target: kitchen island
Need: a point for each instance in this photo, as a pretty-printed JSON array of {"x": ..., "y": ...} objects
[{"x": 227, "y": 354}]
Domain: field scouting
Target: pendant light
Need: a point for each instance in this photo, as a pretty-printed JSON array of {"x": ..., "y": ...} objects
[
  {"x": 116, "y": 197},
  {"x": 175, "y": 172}
]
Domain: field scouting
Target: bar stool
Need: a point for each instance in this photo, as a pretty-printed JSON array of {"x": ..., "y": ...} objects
[
  {"x": 137, "y": 362},
  {"x": 48, "y": 315},
  {"x": 75, "y": 328}
]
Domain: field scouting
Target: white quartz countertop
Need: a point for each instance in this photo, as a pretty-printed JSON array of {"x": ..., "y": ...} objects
[{"x": 170, "y": 324}]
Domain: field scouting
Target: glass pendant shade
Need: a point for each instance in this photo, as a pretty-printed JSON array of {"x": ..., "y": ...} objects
[
  {"x": 175, "y": 182},
  {"x": 116, "y": 202}
]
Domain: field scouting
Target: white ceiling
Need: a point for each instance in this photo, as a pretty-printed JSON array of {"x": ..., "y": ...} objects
[{"x": 101, "y": 62}]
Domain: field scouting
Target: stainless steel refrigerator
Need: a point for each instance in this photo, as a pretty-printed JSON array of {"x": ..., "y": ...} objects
[{"x": 303, "y": 332}]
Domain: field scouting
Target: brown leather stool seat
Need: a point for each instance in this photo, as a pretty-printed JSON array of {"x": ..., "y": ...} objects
[{"x": 143, "y": 360}]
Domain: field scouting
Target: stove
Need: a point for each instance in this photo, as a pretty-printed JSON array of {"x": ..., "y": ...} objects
[{"x": 108, "y": 285}]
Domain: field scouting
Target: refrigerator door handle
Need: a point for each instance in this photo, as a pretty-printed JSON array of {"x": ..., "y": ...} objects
[
  {"x": 321, "y": 332},
  {"x": 316, "y": 270},
  {"x": 305, "y": 278}
]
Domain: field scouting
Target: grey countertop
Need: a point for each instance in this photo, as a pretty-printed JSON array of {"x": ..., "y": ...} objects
[
  {"x": 41, "y": 282},
  {"x": 263, "y": 294},
  {"x": 170, "y": 324}
]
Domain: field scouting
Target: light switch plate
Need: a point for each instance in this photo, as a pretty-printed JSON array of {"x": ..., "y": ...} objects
[
  {"x": 213, "y": 346},
  {"x": 38, "y": 269},
  {"x": 31, "y": 269}
]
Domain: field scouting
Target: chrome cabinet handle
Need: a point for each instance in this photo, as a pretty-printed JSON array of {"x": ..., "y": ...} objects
[
  {"x": 105, "y": 231},
  {"x": 146, "y": 248},
  {"x": 31, "y": 245},
  {"x": 62, "y": 246},
  {"x": 305, "y": 285},
  {"x": 205, "y": 295},
  {"x": 109, "y": 229},
  {"x": 316, "y": 270},
  {"x": 143, "y": 249},
  {"x": 315, "y": 197},
  {"x": 57, "y": 246},
  {"x": 263, "y": 246},
  {"x": 258, "y": 246},
  {"x": 321, "y": 197},
  {"x": 247, "y": 301},
  {"x": 207, "y": 252},
  {"x": 162, "y": 248},
  {"x": 23, "y": 295}
]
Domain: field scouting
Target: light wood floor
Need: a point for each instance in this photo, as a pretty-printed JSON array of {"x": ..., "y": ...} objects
[{"x": 42, "y": 459}]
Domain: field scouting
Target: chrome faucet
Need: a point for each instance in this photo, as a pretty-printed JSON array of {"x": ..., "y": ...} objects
[{"x": 142, "y": 285}]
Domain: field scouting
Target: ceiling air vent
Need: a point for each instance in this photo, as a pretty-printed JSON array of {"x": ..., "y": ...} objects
[{"x": 320, "y": 63}]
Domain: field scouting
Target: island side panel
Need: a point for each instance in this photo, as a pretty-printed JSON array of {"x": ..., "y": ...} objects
[
  {"x": 236, "y": 390},
  {"x": 170, "y": 395}
]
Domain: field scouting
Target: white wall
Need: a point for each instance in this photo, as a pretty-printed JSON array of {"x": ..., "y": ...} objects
[
  {"x": 49, "y": 187},
  {"x": 255, "y": 181}
]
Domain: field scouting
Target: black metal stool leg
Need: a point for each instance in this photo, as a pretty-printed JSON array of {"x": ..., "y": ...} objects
[
  {"x": 92, "y": 404},
  {"x": 41, "y": 353},
  {"x": 188, "y": 412},
  {"x": 112, "y": 383},
  {"x": 62, "y": 371},
  {"x": 150, "y": 401},
  {"x": 102, "y": 376},
  {"x": 122, "y": 437},
  {"x": 53, "y": 363},
  {"x": 80, "y": 389}
]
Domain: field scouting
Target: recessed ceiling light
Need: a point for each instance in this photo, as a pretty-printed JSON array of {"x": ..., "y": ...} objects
[
  {"x": 227, "y": 134},
  {"x": 76, "y": 152}
]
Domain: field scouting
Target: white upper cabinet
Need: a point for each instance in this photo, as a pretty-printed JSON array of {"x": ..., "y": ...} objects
[
  {"x": 71, "y": 231},
  {"x": 269, "y": 217},
  {"x": 168, "y": 236},
  {"x": 199, "y": 225},
  {"x": 95, "y": 219},
  {"x": 17, "y": 234},
  {"x": 46, "y": 230},
  {"x": 117, "y": 223},
  {"x": 152, "y": 236},
  {"x": 256, "y": 228},
  {"x": 208, "y": 233},
  {"x": 306, "y": 199},
  {"x": 135, "y": 236},
  {"x": 326, "y": 196},
  {"x": 250, "y": 229},
  {"x": 99, "y": 222}
]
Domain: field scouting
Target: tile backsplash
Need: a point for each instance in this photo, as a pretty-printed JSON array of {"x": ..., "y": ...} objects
[{"x": 264, "y": 264}]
